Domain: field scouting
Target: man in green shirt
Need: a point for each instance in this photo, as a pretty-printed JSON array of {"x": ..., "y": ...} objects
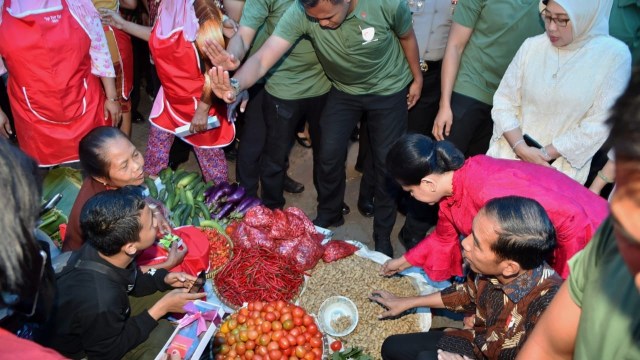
[
  {"x": 363, "y": 46},
  {"x": 484, "y": 37},
  {"x": 295, "y": 92},
  {"x": 596, "y": 313},
  {"x": 624, "y": 25}
]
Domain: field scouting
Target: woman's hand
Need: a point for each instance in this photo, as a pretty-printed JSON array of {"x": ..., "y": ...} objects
[
  {"x": 111, "y": 18},
  {"x": 221, "y": 84},
  {"x": 395, "y": 305},
  {"x": 176, "y": 256},
  {"x": 445, "y": 355},
  {"x": 112, "y": 109},
  {"x": 179, "y": 280},
  {"x": 531, "y": 154},
  {"x": 442, "y": 123},
  {"x": 199, "y": 121},
  {"x": 414, "y": 93},
  {"x": 393, "y": 266},
  {"x": 229, "y": 28},
  {"x": 219, "y": 57},
  {"x": 5, "y": 126}
]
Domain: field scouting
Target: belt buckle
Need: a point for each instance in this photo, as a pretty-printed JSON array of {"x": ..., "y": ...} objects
[{"x": 424, "y": 67}]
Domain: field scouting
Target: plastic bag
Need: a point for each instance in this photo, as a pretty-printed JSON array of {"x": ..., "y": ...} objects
[
  {"x": 307, "y": 252},
  {"x": 259, "y": 217},
  {"x": 306, "y": 222},
  {"x": 338, "y": 249}
]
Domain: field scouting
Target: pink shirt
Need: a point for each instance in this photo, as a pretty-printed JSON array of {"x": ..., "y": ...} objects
[{"x": 574, "y": 211}]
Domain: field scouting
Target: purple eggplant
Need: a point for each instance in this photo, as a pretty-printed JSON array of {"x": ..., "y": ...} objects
[
  {"x": 210, "y": 191},
  {"x": 223, "y": 190},
  {"x": 237, "y": 195},
  {"x": 224, "y": 211},
  {"x": 246, "y": 204}
]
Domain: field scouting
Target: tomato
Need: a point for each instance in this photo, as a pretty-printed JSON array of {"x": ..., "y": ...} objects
[
  {"x": 255, "y": 314},
  {"x": 284, "y": 343},
  {"x": 298, "y": 312},
  {"x": 310, "y": 356},
  {"x": 244, "y": 335},
  {"x": 250, "y": 345},
  {"x": 307, "y": 320},
  {"x": 300, "y": 339},
  {"x": 231, "y": 340},
  {"x": 252, "y": 334},
  {"x": 224, "y": 349},
  {"x": 241, "y": 348},
  {"x": 277, "y": 335},
  {"x": 262, "y": 350},
  {"x": 273, "y": 345},
  {"x": 291, "y": 338},
  {"x": 275, "y": 354},
  {"x": 286, "y": 316},
  {"x": 316, "y": 342},
  {"x": 286, "y": 309},
  {"x": 276, "y": 325},
  {"x": 280, "y": 304},
  {"x": 312, "y": 329},
  {"x": 243, "y": 311},
  {"x": 269, "y": 308},
  {"x": 288, "y": 325},
  {"x": 300, "y": 351},
  {"x": 270, "y": 316},
  {"x": 336, "y": 346},
  {"x": 242, "y": 319},
  {"x": 258, "y": 306},
  {"x": 256, "y": 357},
  {"x": 317, "y": 352},
  {"x": 297, "y": 321},
  {"x": 265, "y": 327},
  {"x": 224, "y": 328},
  {"x": 295, "y": 331},
  {"x": 249, "y": 354},
  {"x": 264, "y": 339}
]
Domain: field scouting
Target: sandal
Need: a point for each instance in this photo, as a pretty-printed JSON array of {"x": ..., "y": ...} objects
[{"x": 303, "y": 141}]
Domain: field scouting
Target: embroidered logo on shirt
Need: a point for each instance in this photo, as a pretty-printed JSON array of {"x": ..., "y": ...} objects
[
  {"x": 53, "y": 19},
  {"x": 368, "y": 35}
]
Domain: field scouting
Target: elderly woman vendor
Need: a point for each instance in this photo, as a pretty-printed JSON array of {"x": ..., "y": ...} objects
[
  {"x": 110, "y": 161},
  {"x": 436, "y": 172}
]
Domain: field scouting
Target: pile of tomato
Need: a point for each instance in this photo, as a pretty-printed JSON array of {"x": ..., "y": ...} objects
[{"x": 269, "y": 331}]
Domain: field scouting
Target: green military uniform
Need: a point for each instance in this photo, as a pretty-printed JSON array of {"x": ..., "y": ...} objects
[{"x": 624, "y": 24}]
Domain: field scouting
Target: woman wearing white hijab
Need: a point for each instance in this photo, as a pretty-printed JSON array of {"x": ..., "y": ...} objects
[{"x": 559, "y": 87}]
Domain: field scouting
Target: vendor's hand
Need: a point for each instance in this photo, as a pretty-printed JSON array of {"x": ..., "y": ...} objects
[
  {"x": 219, "y": 57},
  {"x": 111, "y": 18},
  {"x": 445, "y": 355},
  {"x": 414, "y": 93},
  {"x": 395, "y": 305},
  {"x": 221, "y": 85},
  {"x": 176, "y": 255},
  {"x": 393, "y": 266},
  {"x": 532, "y": 155},
  {"x": 173, "y": 301},
  {"x": 5, "y": 126},
  {"x": 229, "y": 28},
  {"x": 199, "y": 122},
  {"x": 442, "y": 123},
  {"x": 179, "y": 280},
  {"x": 242, "y": 99},
  {"x": 175, "y": 355},
  {"x": 162, "y": 221},
  {"x": 112, "y": 109}
]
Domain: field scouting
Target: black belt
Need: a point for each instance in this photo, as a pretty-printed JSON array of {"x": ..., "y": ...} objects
[{"x": 426, "y": 65}]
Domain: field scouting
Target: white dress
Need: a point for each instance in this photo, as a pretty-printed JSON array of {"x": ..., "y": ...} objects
[{"x": 568, "y": 110}]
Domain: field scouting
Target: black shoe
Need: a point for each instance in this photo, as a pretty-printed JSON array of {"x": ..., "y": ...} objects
[
  {"x": 339, "y": 221},
  {"x": 409, "y": 242},
  {"x": 292, "y": 186},
  {"x": 383, "y": 245},
  {"x": 365, "y": 207},
  {"x": 345, "y": 209}
]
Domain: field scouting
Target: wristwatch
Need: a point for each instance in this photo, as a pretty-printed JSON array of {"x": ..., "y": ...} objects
[{"x": 235, "y": 84}]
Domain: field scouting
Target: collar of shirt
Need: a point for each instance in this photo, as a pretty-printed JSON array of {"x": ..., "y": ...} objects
[
  {"x": 624, "y": 3},
  {"x": 521, "y": 285},
  {"x": 127, "y": 275}
]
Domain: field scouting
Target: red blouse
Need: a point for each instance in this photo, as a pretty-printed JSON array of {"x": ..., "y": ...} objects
[{"x": 575, "y": 211}]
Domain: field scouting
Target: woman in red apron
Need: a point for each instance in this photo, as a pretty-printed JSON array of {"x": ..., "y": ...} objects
[
  {"x": 184, "y": 98},
  {"x": 55, "y": 55}
]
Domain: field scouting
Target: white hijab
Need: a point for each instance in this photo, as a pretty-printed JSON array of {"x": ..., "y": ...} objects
[{"x": 589, "y": 19}]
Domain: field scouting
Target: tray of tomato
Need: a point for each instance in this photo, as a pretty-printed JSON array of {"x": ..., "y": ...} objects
[{"x": 269, "y": 331}]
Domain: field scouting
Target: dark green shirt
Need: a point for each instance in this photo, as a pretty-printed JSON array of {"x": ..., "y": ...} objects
[
  {"x": 363, "y": 55},
  {"x": 624, "y": 25}
]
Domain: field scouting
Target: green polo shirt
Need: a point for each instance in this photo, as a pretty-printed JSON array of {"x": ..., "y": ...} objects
[
  {"x": 298, "y": 74},
  {"x": 624, "y": 25},
  {"x": 499, "y": 28},
  {"x": 363, "y": 55}
]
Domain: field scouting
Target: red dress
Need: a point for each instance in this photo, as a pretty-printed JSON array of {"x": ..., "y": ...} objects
[
  {"x": 574, "y": 211},
  {"x": 55, "y": 99},
  {"x": 179, "y": 71}
]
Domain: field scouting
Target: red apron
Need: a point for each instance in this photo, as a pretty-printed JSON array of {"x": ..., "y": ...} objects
[
  {"x": 55, "y": 99},
  {"x": 178, "y": 68},
  {"x": 124, "y": 57}
]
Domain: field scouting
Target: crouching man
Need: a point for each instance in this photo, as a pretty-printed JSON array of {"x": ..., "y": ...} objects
[
  {"x": 94, "y": 317},
  {"x": 509, "y": 287}
]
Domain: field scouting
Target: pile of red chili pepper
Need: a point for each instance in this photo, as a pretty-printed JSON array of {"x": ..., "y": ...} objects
[
  {"x": 258, "y": 274},
  {"x": 219, "y": 248}
]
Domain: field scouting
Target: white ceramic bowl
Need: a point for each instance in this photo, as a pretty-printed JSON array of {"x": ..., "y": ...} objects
[{"x": 332, "y": 309}]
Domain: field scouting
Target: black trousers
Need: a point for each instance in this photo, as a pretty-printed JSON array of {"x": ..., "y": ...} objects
[
  {"x": 386, "y": 123},
  {"x": 283, "y": 119},
  {"x": 252, "y": 139},
  {"x": 472, "y": 125},
  {"x": 416, "y": 346}
]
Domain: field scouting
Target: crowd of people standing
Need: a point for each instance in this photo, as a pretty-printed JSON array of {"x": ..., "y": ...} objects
[{"x": 472, "y": 111}]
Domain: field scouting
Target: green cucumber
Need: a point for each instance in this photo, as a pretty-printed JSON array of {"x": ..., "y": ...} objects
[{"x": 151, "y": 185}]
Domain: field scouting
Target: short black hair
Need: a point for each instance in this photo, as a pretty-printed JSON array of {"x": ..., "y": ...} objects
[
  {"x": 415, "y": 156},
  {"x": 308, "y": 4},
  {"x": 92, "y": 147},
  {"x": 625, "y": 121},
  {"x": 111, "y": 219},
  {"x": 21, "y": 188},
  {"x": 525, "y": 235}
]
